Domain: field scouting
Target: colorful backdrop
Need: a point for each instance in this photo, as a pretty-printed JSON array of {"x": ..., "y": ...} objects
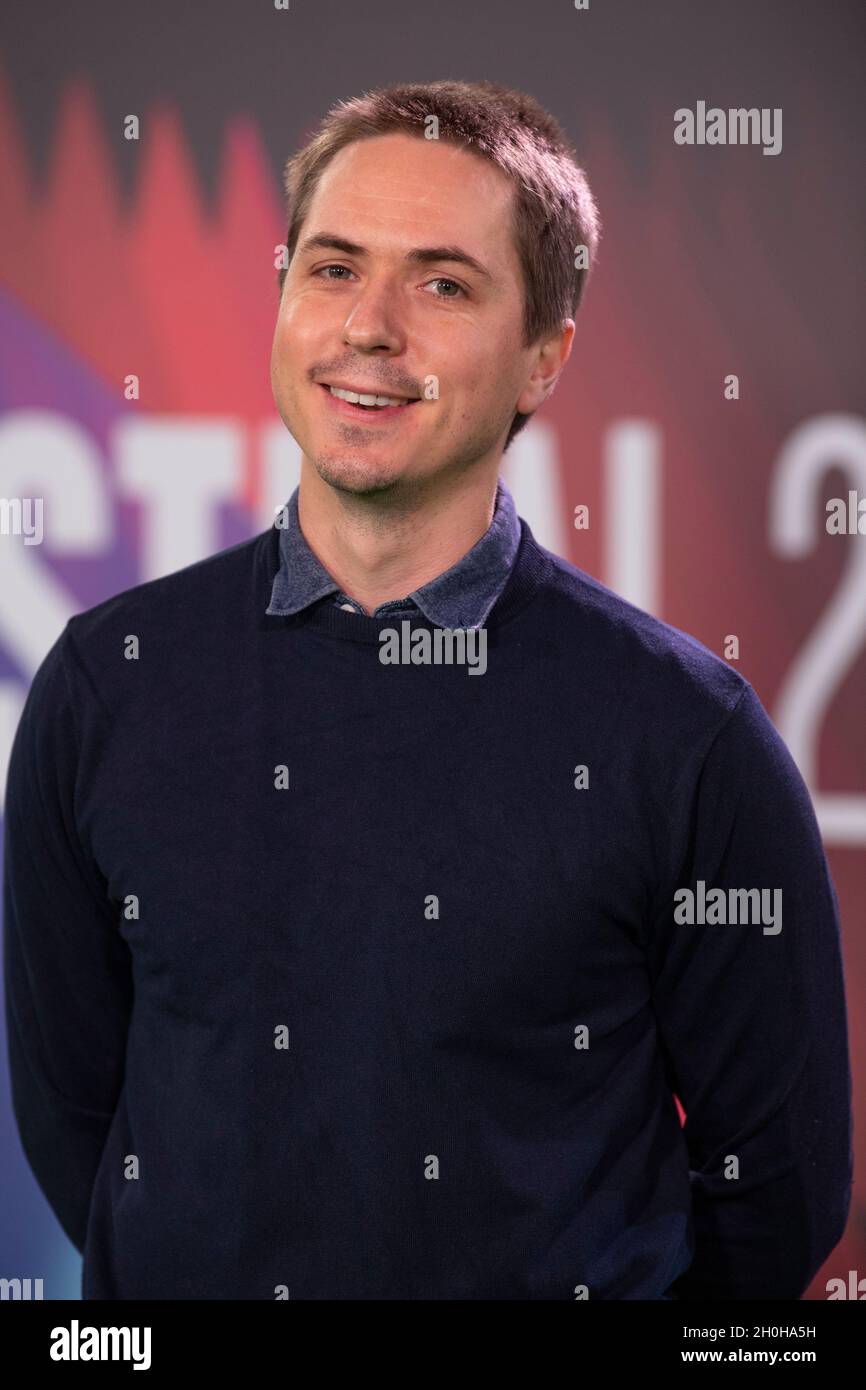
[{"x": 155, "y": 257}]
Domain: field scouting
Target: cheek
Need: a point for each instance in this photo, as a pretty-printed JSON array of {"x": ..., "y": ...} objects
[
  {"x": 286, "y": 335},
  {"x": 485, "y": 385},
  {"x": 279, "y": 362},
  {"x": 288, "y": 351},
  {"x": 479, "y": 364},
  {"x": 292, "y": 329}
]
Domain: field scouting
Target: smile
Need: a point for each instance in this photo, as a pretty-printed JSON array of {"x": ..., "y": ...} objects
[{"x": 356, "y": 406}]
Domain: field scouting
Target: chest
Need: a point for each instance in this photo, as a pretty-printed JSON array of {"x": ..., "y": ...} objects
[{"x": 444, "y": 863}]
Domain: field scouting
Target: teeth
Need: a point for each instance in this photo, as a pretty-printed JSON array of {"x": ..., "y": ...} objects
[{"x": 364, "y": 400}]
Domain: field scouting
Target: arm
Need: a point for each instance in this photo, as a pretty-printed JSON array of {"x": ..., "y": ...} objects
[
  {"x": 753, "y": 1024},
  {"x": 67, "y": 977}
]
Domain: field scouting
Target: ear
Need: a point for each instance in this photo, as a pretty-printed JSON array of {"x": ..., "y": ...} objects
[{"x": 548, "y": 359}]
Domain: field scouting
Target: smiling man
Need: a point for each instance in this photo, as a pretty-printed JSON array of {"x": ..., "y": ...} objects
[
  {"x": 402, "y": 288},
  {"x": 335, "y": 978}
]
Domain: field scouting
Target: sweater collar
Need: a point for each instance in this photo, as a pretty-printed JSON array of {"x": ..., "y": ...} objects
[{"x": 461, "y": 597}]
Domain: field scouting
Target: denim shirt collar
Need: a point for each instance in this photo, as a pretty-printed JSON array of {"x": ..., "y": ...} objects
[{"x": 461, "y": 597}]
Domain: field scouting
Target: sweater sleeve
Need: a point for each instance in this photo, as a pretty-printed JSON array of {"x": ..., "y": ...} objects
[
  {"x": 752, "y": 1022},
  {"x": 67, "y": 974}
]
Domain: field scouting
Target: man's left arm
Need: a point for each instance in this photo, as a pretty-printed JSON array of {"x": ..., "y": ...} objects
[{"x": 752, "y": 1020}]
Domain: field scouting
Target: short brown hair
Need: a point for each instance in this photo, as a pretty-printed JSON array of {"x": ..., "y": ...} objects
[{"x": 554, "y": 210}]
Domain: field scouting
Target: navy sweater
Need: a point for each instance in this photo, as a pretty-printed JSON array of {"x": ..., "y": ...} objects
[{"x": 333, "y": 979}]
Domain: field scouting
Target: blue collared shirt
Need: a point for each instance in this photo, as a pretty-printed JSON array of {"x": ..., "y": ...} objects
[{"x": 461, "y": 597}]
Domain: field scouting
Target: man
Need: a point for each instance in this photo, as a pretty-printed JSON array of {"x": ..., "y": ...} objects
[{"x": 333, "y": 972}]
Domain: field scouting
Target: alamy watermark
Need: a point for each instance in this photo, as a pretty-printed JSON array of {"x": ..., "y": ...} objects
[
  {"x": 854, "y": 1289},
  {"x": 439, "y": 646},
  {"x": 727, "y": 907},
  {"x": 20, "y": 1289},
  {"x": 77, "y": 1343},
  {"x": 17, "y": 518},
  {"x": 847, "y": 520},
  {"x": 737, "y": 126}
]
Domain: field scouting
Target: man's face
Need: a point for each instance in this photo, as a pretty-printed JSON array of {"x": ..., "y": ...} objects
[{"x": 373, "y": 317}]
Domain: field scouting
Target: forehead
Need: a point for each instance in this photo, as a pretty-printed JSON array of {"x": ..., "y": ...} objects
[{"x": 392, "y": 190}]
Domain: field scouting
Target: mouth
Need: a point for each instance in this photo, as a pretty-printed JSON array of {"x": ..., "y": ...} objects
[{"x": 370, "y": 408}]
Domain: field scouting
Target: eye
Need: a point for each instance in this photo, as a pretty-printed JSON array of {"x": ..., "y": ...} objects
[
  {"x": 323, "y": 271},
  {"x": 332, "y": 267},
  {"x": 442, "y": 280}
]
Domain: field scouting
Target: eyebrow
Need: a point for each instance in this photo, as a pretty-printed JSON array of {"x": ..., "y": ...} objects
[{"x": 419, "y": 255}]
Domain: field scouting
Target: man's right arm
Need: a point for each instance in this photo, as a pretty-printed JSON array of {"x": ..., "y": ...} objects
[{"x": 67, "y": 969}]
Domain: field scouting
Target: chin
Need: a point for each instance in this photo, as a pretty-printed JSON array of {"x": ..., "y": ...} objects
[{"x": 358, "y": 476}]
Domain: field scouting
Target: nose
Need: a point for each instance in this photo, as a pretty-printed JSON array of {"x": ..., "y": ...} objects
[{"x": 373, "y": 321}]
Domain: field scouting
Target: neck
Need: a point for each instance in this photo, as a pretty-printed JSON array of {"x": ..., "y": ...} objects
[{"x": 382, "y": 546}]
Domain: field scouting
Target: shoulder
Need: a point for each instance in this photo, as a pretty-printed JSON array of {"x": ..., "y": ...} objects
[
  {"x": 182, "y": 599},
  {"x": 174, "y": 620},
  {"x": 674, "y": 679}
]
